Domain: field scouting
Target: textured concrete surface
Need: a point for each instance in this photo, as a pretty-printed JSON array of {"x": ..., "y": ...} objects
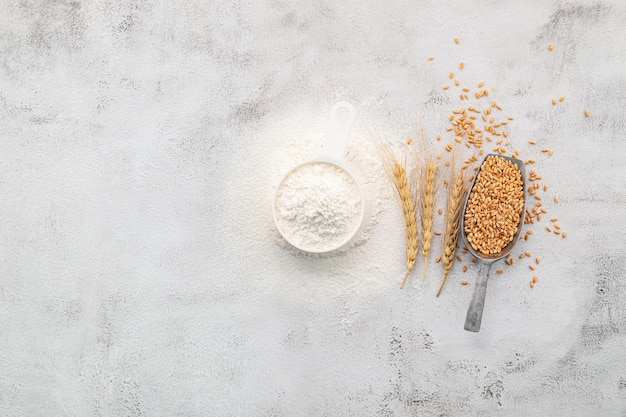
[{"x": 141, "y": 274}]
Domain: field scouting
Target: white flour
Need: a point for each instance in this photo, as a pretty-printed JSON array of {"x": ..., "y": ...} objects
[{"x": 318, "y": 206}]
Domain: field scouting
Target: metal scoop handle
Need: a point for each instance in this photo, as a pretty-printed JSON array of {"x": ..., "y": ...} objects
[{"x": 475, "y": 311}]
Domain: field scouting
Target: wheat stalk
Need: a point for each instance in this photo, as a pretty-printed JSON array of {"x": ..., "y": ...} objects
[
  {"x": 397, "y": 174},
  {"x": 428, "y": 208},
  {"x": 452, "y": 223}
]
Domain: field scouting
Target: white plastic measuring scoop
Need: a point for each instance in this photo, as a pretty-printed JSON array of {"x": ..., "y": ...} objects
[{"x": 307, "y": 212}]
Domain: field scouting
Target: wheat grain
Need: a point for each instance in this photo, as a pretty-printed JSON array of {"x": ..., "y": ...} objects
[{"x": 495, "y": 206}]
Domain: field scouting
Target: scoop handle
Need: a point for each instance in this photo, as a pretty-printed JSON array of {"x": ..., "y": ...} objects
[
  {"x": 338, "y": 132},
  {"x": 475, "y": 311}
]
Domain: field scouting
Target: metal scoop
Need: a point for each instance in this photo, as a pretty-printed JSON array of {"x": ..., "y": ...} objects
[{"x": 475, "y": 310}]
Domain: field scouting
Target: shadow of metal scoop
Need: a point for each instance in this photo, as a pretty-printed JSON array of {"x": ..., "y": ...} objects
[{"x": 475, "y": 311}]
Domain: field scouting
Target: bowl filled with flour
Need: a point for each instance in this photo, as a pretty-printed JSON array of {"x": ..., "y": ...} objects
[{"x": 318, "y": 206}]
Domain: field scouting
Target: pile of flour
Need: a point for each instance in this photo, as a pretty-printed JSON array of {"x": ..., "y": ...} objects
[{"x": 318, "y": 206}]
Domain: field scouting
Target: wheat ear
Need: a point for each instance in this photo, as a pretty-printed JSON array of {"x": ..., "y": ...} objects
[
  {"x": 452, "y": 224},
  {"x": 428, "y": 208},
  {"x": 397, "y": 174},
  {"x": 408, "y": 211}
]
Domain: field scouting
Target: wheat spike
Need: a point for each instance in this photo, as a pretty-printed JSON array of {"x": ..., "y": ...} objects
[
  {"x": 398, "y": 177},
  {"x": 452, "y": 224},
  {"x": 408, "y": 211},
  {"x": 428, "y": 208}
]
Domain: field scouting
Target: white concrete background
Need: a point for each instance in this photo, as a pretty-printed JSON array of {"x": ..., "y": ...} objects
[{"x": 140, "y": 272}]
